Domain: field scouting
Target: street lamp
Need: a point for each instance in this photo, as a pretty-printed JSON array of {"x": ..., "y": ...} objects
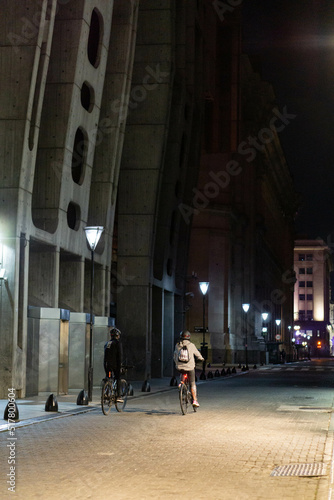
[
  {"x": 204, "y": 285},
  {"x": 93, "y": 235},
  {"x": 264, "y": 318},
  {"x": 246, "y": 308},
  {"x": 278, "y": 336}
]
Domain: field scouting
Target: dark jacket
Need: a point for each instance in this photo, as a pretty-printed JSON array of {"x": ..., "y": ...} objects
[{"x": 113, "y": 354}]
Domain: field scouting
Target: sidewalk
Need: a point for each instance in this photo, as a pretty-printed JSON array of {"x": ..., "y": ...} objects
[{"x": 32, "y": 409}]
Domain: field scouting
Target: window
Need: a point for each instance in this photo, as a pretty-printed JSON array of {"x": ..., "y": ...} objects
[
  {"x": 309, "y": 256},
  {"x": 79, "y": 155},
  {"x": 301, "y": 256},
  {"x": 302, "y": 270},
  {"x": 309, "y": 270},
  {"x": 301, "y": 314},
  {"x": 301, "y": 284},
  {"x": 309, "y": 284},
  {"x": 310, "y": 296},
  {"x": 95, "y": 38},
  {"x": 309, "y": 314},
  {"x": 302, "y": 296}
]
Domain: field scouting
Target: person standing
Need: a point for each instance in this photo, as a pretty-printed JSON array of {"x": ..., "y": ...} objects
[{"x": 185, "y": 356}]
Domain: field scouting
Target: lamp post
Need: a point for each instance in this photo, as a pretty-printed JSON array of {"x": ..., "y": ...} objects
[
  {"x": 246, "y": 308},
  {"x": 265, "y": 316},
  {"x": 204, "y": 285},
  {"x": 93, "y": 235},
  {"x": 278, "y": 336}
]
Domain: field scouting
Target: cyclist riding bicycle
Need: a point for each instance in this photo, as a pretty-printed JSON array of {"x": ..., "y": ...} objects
[
  {"x": 113, "y": 357},
  {"x": 184, "y": 357}
]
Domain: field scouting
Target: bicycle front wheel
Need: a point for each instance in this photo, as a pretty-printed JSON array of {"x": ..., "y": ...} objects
[
  {"x": 106, "y": 397},
  {"x": 183, "y": 393},
  {"x": 123, "y": 395}
]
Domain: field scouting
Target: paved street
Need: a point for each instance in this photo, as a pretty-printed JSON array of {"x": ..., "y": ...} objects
[{"x": 248, "y": 427}]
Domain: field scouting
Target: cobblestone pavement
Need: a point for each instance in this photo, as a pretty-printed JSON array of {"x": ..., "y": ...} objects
[{"x": 245, "y": 428}]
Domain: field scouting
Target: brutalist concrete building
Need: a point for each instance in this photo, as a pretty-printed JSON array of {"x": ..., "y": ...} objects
[{"x": 104, "y": 110}]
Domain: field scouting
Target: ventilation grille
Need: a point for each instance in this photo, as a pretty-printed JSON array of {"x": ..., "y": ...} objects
[{"x": 318, "y": 469}]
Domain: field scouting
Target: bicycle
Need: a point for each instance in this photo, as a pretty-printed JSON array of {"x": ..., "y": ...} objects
[
  {"x": 109, "y": 394},
  {"x": 185, "y": 394}
]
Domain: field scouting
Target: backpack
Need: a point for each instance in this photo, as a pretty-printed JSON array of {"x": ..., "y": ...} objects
[{"x": 183, "y": 355}]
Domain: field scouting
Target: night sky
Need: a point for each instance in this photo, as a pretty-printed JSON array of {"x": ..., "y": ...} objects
[{"x": 292, "y": 44}]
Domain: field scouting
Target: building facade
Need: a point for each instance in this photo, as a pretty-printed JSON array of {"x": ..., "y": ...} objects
[
  {"x": 313, "y": 328},
  {"x": 244, "y": 235},
  {"x": 120, "y": 114}
]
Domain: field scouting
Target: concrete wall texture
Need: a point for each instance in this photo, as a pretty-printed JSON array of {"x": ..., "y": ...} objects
[{"x": 110, "y": 115}]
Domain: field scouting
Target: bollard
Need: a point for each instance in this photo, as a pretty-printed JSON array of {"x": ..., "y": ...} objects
[
  {"x": 202, "y": 376},
  {"x": 146, "y": 387},
  {"x": 51, "y": 403},
  {"x": 228, "y": 371},
  {"x": 173, "y": 382},
  {"x": 210, "y": 375},
  {"x": 234, "y": 370},
  {"x": 254, "y": 367},
  {"x": 223, "y": 372},
  {"x": 82, "y": 398},
  {"x": 130, "y": 390},
  {"x": 217, "y": 373},
  {"x": 11, "y": 411}
]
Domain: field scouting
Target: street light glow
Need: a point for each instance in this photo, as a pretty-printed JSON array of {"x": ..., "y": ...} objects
[
  {"x": 204, "y": 285},
  {"x": 245, "y": 307},
  {"x": 93, "y": 235},
  {"x": 265, "y": 316}
]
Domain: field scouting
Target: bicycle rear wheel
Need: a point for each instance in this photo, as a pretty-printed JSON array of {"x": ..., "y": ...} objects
[
  {"x": 123, "y": 395},
  {"x": 106, "y": 397},
  {"x": 183, "y": 394}
]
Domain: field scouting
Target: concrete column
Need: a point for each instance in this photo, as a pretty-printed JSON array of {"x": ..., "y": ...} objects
[
  {"x": 140, "y": 177},
  {"x": 43, "y": 276},
  {"x": 157, "y": 329},
  {"x": 71, "y": 273},
  {"x": 77, "y": 335},
  {"x": 168, "y": 335}
]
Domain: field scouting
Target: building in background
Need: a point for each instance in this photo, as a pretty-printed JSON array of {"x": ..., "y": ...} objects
[
  {"x": 313, "y": 328},
  {"x": 243, "y": 234},
  {"x": 139, "y": 117}
]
